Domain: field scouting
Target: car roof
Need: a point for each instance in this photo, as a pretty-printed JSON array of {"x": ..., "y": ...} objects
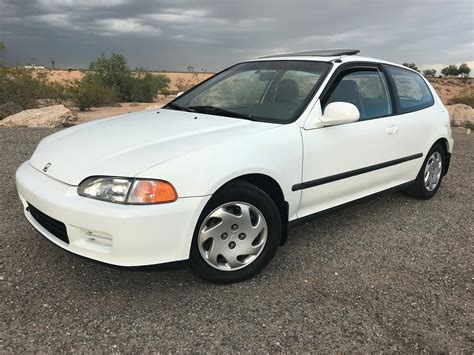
[
  {"x": 330, "y": 55},
  {"x": 320, "y": 53}
]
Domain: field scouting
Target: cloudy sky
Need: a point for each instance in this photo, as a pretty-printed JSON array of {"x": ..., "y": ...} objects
[{"x": 213, "y": 34}]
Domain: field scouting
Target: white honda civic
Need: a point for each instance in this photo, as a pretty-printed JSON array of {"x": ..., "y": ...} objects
[{"x": 218, "y": 175}]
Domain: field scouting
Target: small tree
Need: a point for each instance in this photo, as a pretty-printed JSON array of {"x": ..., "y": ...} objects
[
  {"x": 2, "y": 50},
  {"x": 429, "y": 73},
  {"x": 464, "y": 70},
  {"x": 112, "y": 72},
  {"x": 52, "y": 63},
  {"x": 450, "y": 70},
  {"x": 411, "y": 66},
  {"x": 190, "y": 68}
]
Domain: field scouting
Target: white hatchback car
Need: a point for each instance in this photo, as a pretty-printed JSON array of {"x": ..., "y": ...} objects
[{"x": 219, "y": 174}]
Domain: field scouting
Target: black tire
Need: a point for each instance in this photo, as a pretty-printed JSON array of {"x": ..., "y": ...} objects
[
  {"x": 251, "y": 194},
  {"x": 418, "y": 190}
]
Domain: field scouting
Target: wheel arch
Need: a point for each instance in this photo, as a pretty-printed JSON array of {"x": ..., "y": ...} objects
[
  {"x": 270, "y": 186},
  {"x": 445, "y": 144}
]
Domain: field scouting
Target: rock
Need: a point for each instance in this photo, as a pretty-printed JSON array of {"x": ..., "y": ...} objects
[
  {"x": 45, "y": 102},
  {"x": 51, "y": 116},
  {"x": 461, "y": 115}
]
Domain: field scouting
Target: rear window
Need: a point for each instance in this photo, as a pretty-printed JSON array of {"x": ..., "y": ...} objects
[{"x": 413, "y": 93}]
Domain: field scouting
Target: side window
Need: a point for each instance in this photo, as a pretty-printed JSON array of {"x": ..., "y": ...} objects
[
  {"x": 366, "y": 89},
  {"x": 413, "y": 93}
]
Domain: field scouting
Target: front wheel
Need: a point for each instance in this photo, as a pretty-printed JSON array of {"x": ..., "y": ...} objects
[
  {"x": 237, "y": 234},
  {"x": 431, "y": 174}
]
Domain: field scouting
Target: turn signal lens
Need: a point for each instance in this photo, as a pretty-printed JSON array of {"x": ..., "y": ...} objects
[{"x": 151, "y": 191}]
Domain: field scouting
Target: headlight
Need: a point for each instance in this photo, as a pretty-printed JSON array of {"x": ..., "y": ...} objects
[{"x": 127, "y": 191}]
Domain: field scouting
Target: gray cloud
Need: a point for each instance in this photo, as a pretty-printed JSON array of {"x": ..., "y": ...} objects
[{"x": 172, "y": 34}]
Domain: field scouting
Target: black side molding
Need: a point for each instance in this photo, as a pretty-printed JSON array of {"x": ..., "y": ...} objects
[
  {"x": 348, "y": 174},
  {"x": 305, "y": 219}
]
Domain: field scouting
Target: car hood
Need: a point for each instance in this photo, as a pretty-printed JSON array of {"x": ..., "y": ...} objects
[{"x": 127, "y": 145}]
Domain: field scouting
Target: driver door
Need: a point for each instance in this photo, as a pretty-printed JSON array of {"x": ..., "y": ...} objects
[{"x": 345, "y": 162}]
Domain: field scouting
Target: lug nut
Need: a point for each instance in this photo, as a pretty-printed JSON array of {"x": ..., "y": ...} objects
[
  {"x": 242, "y": 236},
  {"x": 232, "y": 245},
  {"x": 234, "y": 227},
  {"x": 224, "y": 236}
]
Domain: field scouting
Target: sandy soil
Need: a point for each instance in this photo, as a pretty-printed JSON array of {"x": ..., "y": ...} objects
[
  {"x": 176, "y": 78},
  {"x": 451, "y": 87},
  {"x": 121, "y": 109}
]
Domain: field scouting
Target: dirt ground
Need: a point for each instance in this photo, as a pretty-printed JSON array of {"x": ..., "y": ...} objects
[
  {"x": 175, "y": 77},
  {"x": 121, "y": 109},
  {"x": 390, "y": 274},
  {"x": 448, "y": 88}
]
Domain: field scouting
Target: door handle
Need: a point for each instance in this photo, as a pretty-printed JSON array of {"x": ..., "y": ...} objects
[{"x": 392, "y": 129}]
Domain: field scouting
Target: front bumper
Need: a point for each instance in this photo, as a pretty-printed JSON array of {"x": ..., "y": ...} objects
[{"x": 115, "y": 234}]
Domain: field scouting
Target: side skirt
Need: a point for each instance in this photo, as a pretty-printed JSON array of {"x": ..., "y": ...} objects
[{"x": 305, "y": 219}]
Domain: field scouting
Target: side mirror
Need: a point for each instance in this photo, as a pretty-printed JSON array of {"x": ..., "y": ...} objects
[
  {"x": 180, "y": 93},
  {"x": 337, "y": 113}
]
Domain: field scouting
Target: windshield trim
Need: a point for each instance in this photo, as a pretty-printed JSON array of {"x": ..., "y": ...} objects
[{"x": 297, "y": 113}]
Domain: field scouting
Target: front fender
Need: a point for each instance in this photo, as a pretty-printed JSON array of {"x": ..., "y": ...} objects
[{"x": 276, "y": 153}]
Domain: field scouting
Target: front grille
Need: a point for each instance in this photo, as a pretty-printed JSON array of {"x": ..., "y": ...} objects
[{"x": 56, "y": 228}]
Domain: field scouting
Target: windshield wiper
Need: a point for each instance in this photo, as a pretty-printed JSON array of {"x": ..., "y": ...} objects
[
  {"x": 175, "y": 106},
  {"x": 222, "y": 111}
]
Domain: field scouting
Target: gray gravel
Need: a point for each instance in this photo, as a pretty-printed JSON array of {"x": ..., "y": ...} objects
[{"x": 387, "y": 274}]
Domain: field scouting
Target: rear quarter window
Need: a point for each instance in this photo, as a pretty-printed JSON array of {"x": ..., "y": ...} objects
[{"x": 413, "y": 93}]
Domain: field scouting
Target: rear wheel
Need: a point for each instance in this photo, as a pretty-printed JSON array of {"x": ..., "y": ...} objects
[
  {"x": 237, "y": 234},
  {"x": 431, "y": 173}
]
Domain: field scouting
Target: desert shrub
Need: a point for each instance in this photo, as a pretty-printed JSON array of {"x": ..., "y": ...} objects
[
  {"x": 465, "y": 99},
  {"x": 450, "y": 70},
  {"x": 429, "y": 73},
  {"x": 183, "y": 85},
  {"x": 87, "y": 93},
  {"x": 145, "y": 86},
  {"x": 8, "y": 109},
  {"x": 464, "y": 70},
  {"x": 114, "y": 73},
  {"x": 2, "y": 50},
  {"x": 411, "y": 66},
  {"x": 21, "y": 89}
]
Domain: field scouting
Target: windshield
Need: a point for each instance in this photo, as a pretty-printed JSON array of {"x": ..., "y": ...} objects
[{"x": 267, "y": 91}]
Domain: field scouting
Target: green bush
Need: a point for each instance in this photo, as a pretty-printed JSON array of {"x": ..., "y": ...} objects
[
  {"x": 411, "y": 66},
  {"x": 145, "y": 86},
  {"x": 113, "y": 72},
  {"x": 466, "y": 100},
  {"x": 450, "y": 70},
  {"x": 22, "y": 89},
  {"x": 429, "y": 73},
  {"x": 87, "y": 93},
  {"x": 2, "y": 50},
  {"x": 108, "y": 80},
  {"x": 464, "y": 70}
]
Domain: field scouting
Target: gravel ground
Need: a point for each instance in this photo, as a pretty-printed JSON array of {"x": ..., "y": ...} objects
[{"x": 387, "y": 274}]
